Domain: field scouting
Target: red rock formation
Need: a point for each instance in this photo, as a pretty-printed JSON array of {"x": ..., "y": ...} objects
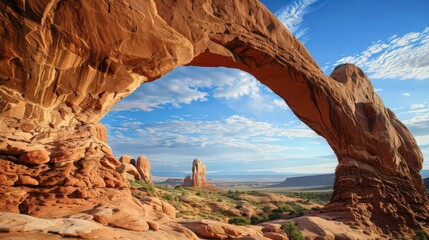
[
  {"x": 61, "y": 70},
  {"x": 143, "y": 167},
  {"x": 198, "y": 179},
  {"x": 129, "y": 172},
  {"x": 101, "y": 132},
  {"x": 126, "y": 159}
]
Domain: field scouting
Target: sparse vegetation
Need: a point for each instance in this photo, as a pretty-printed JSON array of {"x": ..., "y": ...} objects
[
  {"x": 141, "y": 185},
  {"x": 235, "y": 206},
  {"x": 241, "y": 221},
  {"x": 292, "y": 231},
  {"x": 163, "y": 187},
  {"x": 420, "y": 235},
  {"x": 168, "y": 197}
]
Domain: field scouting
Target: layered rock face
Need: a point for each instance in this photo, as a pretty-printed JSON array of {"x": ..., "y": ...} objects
[
  {"x": 62, "y": 69},
  {"x": 198, "y": 179}
]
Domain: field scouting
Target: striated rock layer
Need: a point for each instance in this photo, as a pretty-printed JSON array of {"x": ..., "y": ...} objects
[{"x": 62, "y": 69}]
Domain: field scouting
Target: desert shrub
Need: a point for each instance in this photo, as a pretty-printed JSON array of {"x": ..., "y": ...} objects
[
  {"x": 266, "y": 209},
  {"x": 179, "y": 188},
  {"x": 239, "y": 206},
  {"x": 255, "y": 219},
  {"x": 274, "y": 216},
  {"x": 198, "y": 194},
  {"x": 286, "y": 208},
  {"x": 292, "y": 231},
  {"x": 143, "y": 186},
  {"x": 241, "y": 221},
  {"x": 420, "y": 235},
  {"x": 164, "y": 187},
  {"x": 168, "y": 197},
  {"x": 278, "y": 210},
  {"x": 219, "y": 200},
  {"x": 233, "y": 195},
  {"x": 298, "y": 212}
]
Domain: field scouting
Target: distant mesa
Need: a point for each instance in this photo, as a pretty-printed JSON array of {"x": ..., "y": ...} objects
[
  {"x": 174, "y": 182},
  {"x": 198, "y": 179},
  {"x": 132, "y": 169},
  {"x": 323, "y": 180}
]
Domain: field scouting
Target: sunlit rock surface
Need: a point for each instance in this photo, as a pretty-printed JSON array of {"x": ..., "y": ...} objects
[{"x": 64, "y": 64}]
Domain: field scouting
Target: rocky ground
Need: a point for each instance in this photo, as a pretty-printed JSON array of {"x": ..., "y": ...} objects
[{"x": 189, "y": 213}]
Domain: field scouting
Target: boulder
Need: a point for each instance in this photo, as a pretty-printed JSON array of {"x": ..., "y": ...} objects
[
  {"x": 127, "y": 159},
  {"x": 129, "y": 172},
  {"x": 143, "y": 167}
]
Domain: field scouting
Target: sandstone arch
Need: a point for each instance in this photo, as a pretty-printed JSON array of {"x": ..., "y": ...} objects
[{"x": 62, "y": 69}]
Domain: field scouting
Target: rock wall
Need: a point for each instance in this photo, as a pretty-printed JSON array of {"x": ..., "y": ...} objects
[{"x": 62, "y": 69}]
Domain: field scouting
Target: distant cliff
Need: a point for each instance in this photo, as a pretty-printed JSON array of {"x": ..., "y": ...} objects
[{"x": 307, "y": 181}]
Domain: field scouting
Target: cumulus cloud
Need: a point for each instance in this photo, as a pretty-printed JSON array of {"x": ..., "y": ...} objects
[
  {"x": 235, "y": 137},
  {"x": 292, "y": 16},
  {"x": 280, "y": 103},
  {"x": 402, "y": 57},
  {"x": 192, "y": 84}
]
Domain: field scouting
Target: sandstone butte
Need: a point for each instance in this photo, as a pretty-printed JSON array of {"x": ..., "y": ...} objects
[
  {"x": 198, "y": 179},
  {"x": 64, "y": 64}
]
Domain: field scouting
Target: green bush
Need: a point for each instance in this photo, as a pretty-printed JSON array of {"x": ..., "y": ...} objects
[
  {"x": 164, "y": 187},
  {"x": 239, "y": 206},
  {"x": 274, "y": 216},
  {"x": 255, "y": 219},
  {"x": 241, "y": 221},
  {"x": 179, "y": 188},
  {"x": 292, "y": 231},
  {"x": 420, "y": 235},
  {"x": 278, "y": 210},
  {"x": 266, "y": 209},
  {"x": 143, "y": 186},
  {"x": 298, "y": 212},
  {"x": 286, "y": 208},
  {"x": 198, "y": 194},
  {"x": 168, "y": 197}
]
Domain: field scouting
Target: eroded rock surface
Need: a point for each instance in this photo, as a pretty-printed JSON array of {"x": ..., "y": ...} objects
[
  {"x": 143, "y": 167},
  {"x": 198, "y": 179},
  {"x": 61, "y": 70}
]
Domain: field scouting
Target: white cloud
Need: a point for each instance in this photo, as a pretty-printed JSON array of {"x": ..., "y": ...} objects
[
  {"x": 403, "y": 57},
  {"x": 280, "y": 103},
  {"x": 191, "y": 84},
  {"x": 378, "y": 89},
  {"x": 406, "y": 94},
  {"x": 237, "y": 138},
  {"x": 417, "y": 106},
  {"x": 292, "y": 16},
  {"x": 237, "y": 86}
]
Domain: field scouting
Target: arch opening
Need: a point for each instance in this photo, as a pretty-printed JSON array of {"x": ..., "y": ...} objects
[{"x": 58, "y": 79}]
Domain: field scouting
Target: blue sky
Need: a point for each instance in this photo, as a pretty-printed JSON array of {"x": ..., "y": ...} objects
[{"x": 234, "y": 124}]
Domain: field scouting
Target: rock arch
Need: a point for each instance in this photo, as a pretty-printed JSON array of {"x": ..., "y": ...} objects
[{"x": 64, "y": 64}]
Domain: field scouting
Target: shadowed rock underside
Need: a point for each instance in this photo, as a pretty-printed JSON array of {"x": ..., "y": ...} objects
[{"x": 62, "y": 69}]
